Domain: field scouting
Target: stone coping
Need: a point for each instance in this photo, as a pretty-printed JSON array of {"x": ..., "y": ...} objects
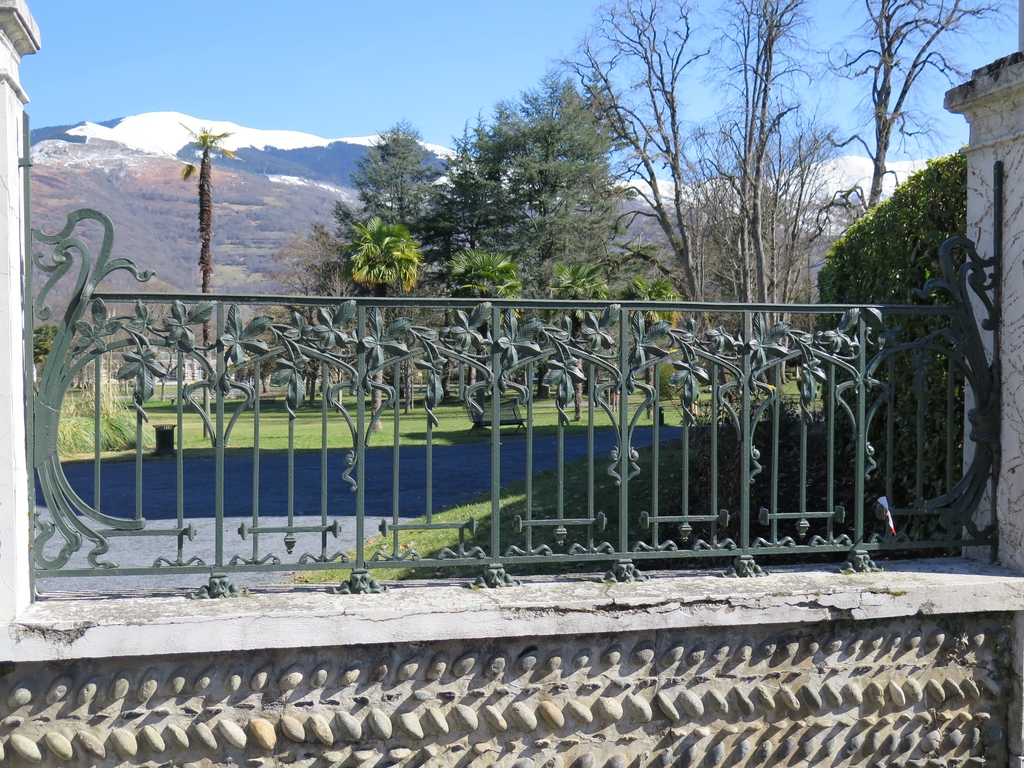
[
  {"x": 987, "y": 83},
  {"x": 106, "y": 626},
  {"x": 19, "y": 26}
]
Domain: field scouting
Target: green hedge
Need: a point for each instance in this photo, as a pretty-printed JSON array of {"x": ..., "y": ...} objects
[
  {"x": 883, "y": 258},
  {"x": 894, "y": 248}
]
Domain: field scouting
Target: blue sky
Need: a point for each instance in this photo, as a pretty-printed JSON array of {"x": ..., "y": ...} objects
[{"x": 349, "y": 67}]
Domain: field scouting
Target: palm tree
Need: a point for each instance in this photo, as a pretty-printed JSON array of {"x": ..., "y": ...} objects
[
  {"x": 481, "y": 275},
  {"x": 659, "y": 289},
  {"x": 209, "y": 143},
  {"x": 382, "y": 255},
  {"x": 578, "y": 282}
]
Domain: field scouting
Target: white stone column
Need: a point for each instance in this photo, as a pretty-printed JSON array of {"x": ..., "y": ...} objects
[{"x": 19, "y": 37}]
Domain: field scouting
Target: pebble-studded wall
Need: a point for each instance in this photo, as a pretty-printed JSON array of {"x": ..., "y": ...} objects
[{"x": 913, "y": 693}]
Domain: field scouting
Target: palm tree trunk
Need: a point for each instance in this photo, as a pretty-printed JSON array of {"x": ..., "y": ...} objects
[
  {"x": 205, "y": 255},
  {"x": 206, "y": 232}
]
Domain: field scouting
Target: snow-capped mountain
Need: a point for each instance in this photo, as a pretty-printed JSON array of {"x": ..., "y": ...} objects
[
  {"x": 283, "y": 156},
  {"x": 167, "y": 133}
]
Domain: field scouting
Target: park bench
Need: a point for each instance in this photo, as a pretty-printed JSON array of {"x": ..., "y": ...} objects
[{"x": 480, "y": 415}]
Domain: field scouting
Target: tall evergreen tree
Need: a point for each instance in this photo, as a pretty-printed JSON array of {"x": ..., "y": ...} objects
[
  {"x": 534, "y": 183},
  {"x": 393, "y": 181}
]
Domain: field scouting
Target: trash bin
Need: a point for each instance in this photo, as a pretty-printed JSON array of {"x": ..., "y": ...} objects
[{"x": 164, "y": 440}]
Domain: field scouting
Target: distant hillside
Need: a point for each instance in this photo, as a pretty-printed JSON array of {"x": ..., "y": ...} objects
[
  {"x": 155, "y": 213},
  {"x": 129, "y": 168}
]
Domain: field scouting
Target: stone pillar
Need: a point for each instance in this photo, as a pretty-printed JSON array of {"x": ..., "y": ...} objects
[
  {"x": 19, "y": 37},
  {"x": 993, "y": 103}
]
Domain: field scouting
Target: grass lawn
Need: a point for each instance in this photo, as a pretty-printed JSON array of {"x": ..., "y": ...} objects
[
  {"x": 453, "y": 429},
  {"x": 513, "y": 502}
]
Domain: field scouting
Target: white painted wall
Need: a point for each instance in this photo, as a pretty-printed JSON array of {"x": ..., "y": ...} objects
[{"x": 19, "y": 36}]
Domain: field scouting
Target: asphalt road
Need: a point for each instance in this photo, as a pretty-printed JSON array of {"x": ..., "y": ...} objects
[{"x": 460, "y": 473}]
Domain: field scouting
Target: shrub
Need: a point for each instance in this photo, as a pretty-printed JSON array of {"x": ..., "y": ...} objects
[
  {"x": 75, "y": 432},
  {"x": 883, "y": 258}
]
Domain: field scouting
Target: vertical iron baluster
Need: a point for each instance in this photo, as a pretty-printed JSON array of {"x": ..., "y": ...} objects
[
  {"x": 890, "y": 430},
  {"x": 529, "y": 456},
  {"x": 685, "y": 469},
  {"x": 360, "y": 391},
  {"x": 747, "y": 430},
  {"x": 830, "y": 455},
  {"x": 776, "y": 416},
  {"x": 625, "y": 433},
  {"x": 324, "y": 386},
  {"x": 291, "y": 467},
  {"x": 96, "y": 466},
  {"x": 862, "y": 437},
  {"x": 560, "y": 470},
  {"x": 590, "y": 441},
  {"x": 396, "y": 380},
  {"x": 496, "y": 436},
  {"x": 220, "y": 435},
  {"x": 804, "y": 419},
  {"x": 714, "y": 439},
  {"x": 656, "y": 455},
  {"x": 922, "y": 399},
  {"x": 430, "y": 470},
  {"x": 256, "y": 464},
  {"x": 138, "y": 461},
  {"x": 952, "y": 428},
  {"x": 179, "y": 456}
]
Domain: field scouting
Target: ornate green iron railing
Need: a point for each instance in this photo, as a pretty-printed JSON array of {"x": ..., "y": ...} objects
[{"x": 785, "y": 425}]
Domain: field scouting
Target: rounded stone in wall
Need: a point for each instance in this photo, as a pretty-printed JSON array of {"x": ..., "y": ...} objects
[
  {"x": 86, "y": 694},
  {"x": 259, "y": 680},
  {"x": 408, "y": 670},
  {"x": 263, "y": 732},
  {"x": 59, "y": 745},
  {"x": 464, "y": 665},
  {"x": 91, "y": 743},
  {"x": 177, "y": 681},
  {"x": 437, "y": 667},
  {"x": 25, "y": 747},
  {"x": 58, "y": 690}
]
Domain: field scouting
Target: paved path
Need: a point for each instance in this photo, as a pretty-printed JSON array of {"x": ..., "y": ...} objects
[{"x": 461, "y": 473}]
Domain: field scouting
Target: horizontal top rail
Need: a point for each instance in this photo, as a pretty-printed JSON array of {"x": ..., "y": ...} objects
[{"x": 519, "y": 304}]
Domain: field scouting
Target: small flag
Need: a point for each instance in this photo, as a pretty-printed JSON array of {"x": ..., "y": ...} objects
[{"x": 884, "y": 502}]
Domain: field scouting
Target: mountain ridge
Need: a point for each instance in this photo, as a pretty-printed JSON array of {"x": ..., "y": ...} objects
[{"x": 129, "y": 168}]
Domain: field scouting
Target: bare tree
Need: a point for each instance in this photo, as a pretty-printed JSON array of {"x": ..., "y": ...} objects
[
  {"x": 898, "y": 44},
  {"x": 312, "y": 265},
  {"x": 631, "y": 65},
  {"x": 756, "y": 71}
]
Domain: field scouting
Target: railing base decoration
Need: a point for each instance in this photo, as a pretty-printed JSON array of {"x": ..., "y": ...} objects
[
  {"x": 624, "y": 572},
  {"x": 494, "y": 576},
  {"x": 860, "y": 561},
  {"x": 745, "y": 567},
  {"x": 359, "y": 583},
  {"x": 220, "y": 586}
]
